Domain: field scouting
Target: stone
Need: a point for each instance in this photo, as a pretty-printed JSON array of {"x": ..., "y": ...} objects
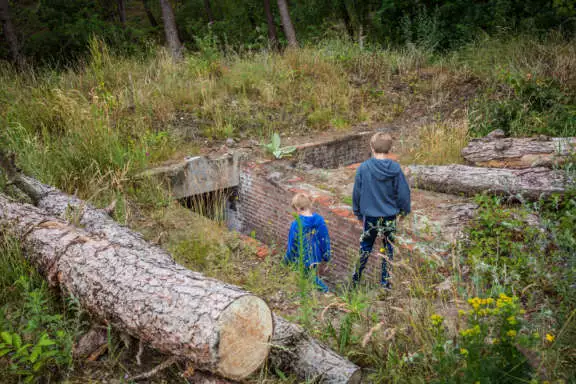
[{"x": 230, "y": 142}]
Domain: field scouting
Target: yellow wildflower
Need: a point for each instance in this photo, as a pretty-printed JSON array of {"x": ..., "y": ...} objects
[
  {"x": 511, "y": 333},
  {"x": 436, "y": 319},
  {"x": 463, "y": 351},
  {"x": 550, "y": 338},
  {"x": 511, "y": 320},
  {"x": 382, "y": 250},
  {"x": 471, "y": 331},
  {"x": 462, "y": 313}
]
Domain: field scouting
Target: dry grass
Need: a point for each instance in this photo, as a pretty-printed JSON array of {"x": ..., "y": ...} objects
[{"x": 439, "y": 143}]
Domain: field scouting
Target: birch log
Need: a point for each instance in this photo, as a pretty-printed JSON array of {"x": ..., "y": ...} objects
[
  {"x": 530, "y": 184},
  {"x": 220, "y": 328},
  {"x": 295, "y": 351},
  {"x": 497, "y": 151}
]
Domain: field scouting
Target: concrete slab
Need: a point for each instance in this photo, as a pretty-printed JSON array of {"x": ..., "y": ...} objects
[{"x": 199, "y": 174}]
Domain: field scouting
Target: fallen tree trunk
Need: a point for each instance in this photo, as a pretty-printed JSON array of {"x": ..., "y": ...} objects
[
  {"x": 295, "y": 351},
  {"x": 220, "y": 328},
  {"x": 530, "y": 184},
  {"x": 71, "y": 208},
  {"x": 496, "y": 151}
]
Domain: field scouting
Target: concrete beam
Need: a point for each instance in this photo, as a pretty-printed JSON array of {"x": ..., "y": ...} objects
[{"x": 199, "y": 174}]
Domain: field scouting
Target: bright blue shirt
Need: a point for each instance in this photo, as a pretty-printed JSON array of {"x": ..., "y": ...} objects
[{"x": 315, "y": 241}]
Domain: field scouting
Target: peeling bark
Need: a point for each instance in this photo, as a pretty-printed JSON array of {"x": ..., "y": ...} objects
[
  {"x": 530, "y": 184},
  {"x": 219, "y": 327},
  {"x": 506, "y": 152},
  {"x": 295, "y": 351}
]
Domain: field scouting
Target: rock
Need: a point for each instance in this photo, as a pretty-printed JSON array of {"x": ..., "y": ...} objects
[{"x": 230, "y": 142}]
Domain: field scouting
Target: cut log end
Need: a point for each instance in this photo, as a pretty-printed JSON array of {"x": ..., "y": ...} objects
[{"x": 246, "y": 328}]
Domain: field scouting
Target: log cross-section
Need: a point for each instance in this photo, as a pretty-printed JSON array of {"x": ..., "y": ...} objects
[{"x": 219, "y": 327}]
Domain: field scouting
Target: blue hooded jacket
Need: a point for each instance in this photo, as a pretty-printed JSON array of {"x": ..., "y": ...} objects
[
  {"x": 315, "y": 241},
  {"x": 380, "y": 189}
]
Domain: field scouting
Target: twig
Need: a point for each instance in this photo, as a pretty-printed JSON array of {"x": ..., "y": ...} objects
[
  {"x": 160, "y": 367},
  {"x": 140, "y": 351}
]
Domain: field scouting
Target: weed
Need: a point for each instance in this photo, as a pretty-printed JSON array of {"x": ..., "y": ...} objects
[{"x": 276, "y": 150}]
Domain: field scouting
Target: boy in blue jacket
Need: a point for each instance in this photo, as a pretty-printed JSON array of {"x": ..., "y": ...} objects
[
  {"x": 380, "y": 194},
  {"x": 308, "y": 240}
]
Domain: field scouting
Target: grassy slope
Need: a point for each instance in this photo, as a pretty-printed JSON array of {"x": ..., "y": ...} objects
[{"x": 91, "y": 129}]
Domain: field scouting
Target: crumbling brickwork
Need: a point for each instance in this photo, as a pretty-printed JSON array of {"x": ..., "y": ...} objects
[
  {"x": 264, "y": 210},
  {"x": 336, "y": 153}
]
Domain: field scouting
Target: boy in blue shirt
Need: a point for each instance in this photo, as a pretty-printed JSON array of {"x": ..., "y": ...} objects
[
  {"x": 308, "y": 240},
  {"x": 380, "y": 194}
]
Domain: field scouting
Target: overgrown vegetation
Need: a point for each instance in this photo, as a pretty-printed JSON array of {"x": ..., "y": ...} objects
[
  {"x": 37, "y": 329},
  {"x": 92, "y": 128}
]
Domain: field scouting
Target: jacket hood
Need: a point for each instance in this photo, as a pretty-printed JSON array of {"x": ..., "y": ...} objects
[
  {"x": 313, "y": 221},
  {"x": 383, "y": 169}
]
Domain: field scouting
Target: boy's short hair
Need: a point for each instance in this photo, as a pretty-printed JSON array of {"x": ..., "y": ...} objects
[
  {"x": 301, "y": 201},
  {"x": 381, "y": 142}
]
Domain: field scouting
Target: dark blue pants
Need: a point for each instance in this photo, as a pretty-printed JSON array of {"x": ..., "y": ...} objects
[{"x": 374, "y": 226}]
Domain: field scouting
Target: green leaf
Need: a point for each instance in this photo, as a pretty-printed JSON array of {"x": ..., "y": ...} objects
[
  {"x": 4, "y": 352},
  {"x": 45, "y": 341},
  {"x": 36, "y": 351},
  {"x": 17, "y": 340},
  {"x": 276, "y": 140},
  {"x": 7, "y": 337},
  {"x": 39, "y": 364}
]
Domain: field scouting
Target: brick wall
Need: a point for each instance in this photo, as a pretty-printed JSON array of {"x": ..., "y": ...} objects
[
  {"x": 264, "y": 208},
  {"x": 335, "y": 153}
]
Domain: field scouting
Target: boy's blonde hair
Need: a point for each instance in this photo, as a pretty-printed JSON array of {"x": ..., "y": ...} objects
[
  {"x": 381, "y": 142},
  {"x": 301, "y": 202}
]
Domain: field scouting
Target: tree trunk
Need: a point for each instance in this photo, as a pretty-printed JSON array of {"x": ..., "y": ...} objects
[
  {"x": 149, "y": 13},
  {"x": 10, "y": 34},
  {"x": 170, "y": 30},
  {"x": 530, "y": 184},
  {"x": 346, "y": 18},
  {"x": 296, "y": 352},
  {"x": 219, "y": 327},
  {"x": 122, "y": 12},
  {"x": 499, "y": 152},
  {"x": 272, "y": 36},
  {"x": 293, "y": 350},
  {"x": 208, "y": 10},
  {"x": 287, "y": 24}
]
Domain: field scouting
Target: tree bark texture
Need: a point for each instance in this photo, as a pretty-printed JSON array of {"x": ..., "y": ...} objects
[
  {"x": 10, "y": 34},
  {"x": 287, "y": 24},
  {"x": 293, "y": 350},
  {"x": 296, "y": 351},
  {"x": 272, "y": 35},
  {"x": 70, "y": 208},
  {"x": 530, "y": 184},
  {"x": 219, "y": 327},
  {"x": 507, "y": 152},
  {"x": 170, "y": 30},
  {"x": 149, "y": 13}
]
